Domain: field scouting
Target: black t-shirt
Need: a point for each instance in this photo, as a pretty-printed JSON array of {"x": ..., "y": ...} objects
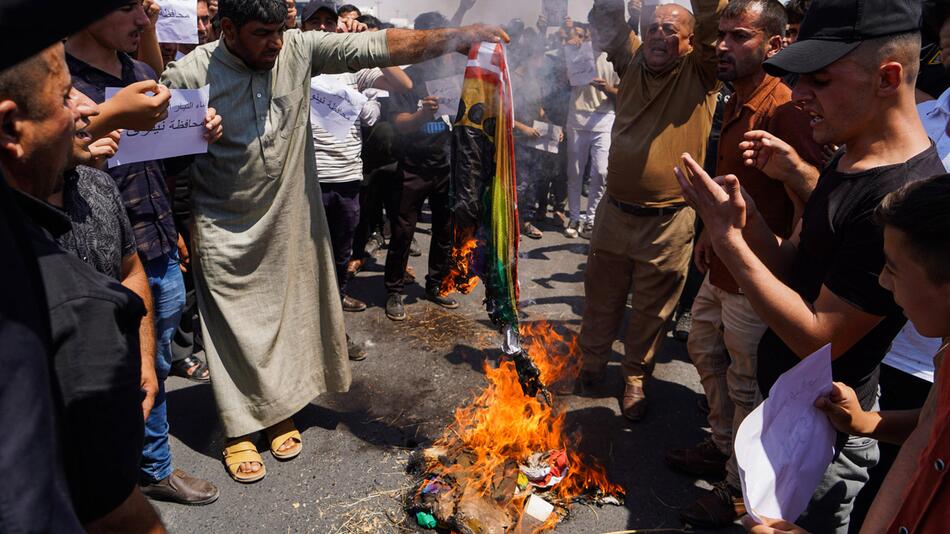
[
  {"x": 427, "y": 150},
  {"x": 842, "y": 248},
  {"x": 96, "y": 362},
  {"x": 932, "y": 77},
  {"x": 101, "y": 233}
]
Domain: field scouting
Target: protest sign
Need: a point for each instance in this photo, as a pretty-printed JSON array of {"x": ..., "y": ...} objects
[
  {"x": 177, "y": 22},
  {"x": 334, "y": 106},
  {"x": 785, "y": 445},
  {"x": 550, "y": 137},
  {"x": 581, "y": 67},
  {"x": 180, "y": 134},
  {"x": 555, "y": 11},
  {"x": 449, "y": 92}
]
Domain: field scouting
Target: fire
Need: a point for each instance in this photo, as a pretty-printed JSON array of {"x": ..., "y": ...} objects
[
  {"x": 501, "y": 428},
  {"x": 461, "y": 275}
]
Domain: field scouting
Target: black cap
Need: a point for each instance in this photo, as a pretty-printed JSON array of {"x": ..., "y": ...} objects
[
  {"x": 316, "y": 5},
  {"x": 834, "y": 28}
]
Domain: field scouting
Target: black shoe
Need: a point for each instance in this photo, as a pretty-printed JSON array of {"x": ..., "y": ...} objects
[
  {"x": 181, "y": 488},
  {"x": 683, "y": 325},
  {"x": 414, "y": 249},
  {"x": 704, "y": 460},
  {"x": 395, "y": 309},
  {"x": 351, "y": 304},
  {"x": 716, "y": 509},
  {"x": 354, "y": 350},
  {"x": 444, "y": 301}
]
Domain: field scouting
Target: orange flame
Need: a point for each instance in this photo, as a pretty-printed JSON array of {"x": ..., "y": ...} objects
[
  {"x": 460, "y": 277},
  {"x": 501, "y": 425}
]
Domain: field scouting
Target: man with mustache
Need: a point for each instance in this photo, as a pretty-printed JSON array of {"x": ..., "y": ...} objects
[
  {"x": 643, "y": 231},
  {"x": 726, "y": 330},
  {"x": 270, "y": 306}
]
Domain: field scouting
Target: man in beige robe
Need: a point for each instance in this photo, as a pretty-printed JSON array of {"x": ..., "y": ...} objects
[{"x": 272, "y": 318}]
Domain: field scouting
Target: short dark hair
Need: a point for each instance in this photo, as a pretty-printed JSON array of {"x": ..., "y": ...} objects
[
  {"x": 772, "y": 19},
  {"x": 243, "y": 11},
  {"x": 919, "y": 210},
  {"x": 936, "y": 12},
  {"x": 370, "y": 21},
  {"x": 795, "y": 11},
  {"x": 430, "y": 20},
  {"x": 348, "y": 8},
  {"x": 21, "y": 83}
]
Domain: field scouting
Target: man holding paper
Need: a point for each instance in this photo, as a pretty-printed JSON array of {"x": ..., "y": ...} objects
[
  {"x": 339, "y": 112},
  {"x": 857, "y": 61},
  {"x": 98, "y": 59},
  {"x": 273, "y": 320}
]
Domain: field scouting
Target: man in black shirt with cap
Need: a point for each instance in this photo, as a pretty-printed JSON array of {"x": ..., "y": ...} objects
[{"x": 857, "y": 61}]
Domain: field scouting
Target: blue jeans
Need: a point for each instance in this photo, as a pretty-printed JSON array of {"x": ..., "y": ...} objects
[{"x": 168, "y": 299}]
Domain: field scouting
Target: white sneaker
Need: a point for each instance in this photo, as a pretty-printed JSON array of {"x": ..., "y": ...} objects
[
  {"x": 571, "y": 230},
  {"x": 587, "y": 230}
]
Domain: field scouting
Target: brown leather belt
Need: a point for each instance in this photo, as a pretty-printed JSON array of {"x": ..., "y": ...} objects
[{"x": 644, "y": 211}]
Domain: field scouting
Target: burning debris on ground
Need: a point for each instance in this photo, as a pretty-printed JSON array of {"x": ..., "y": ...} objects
[{"x": 506, "y": 464}]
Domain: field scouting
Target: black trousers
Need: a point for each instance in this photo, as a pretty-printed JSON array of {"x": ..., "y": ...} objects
[
  {"x": 376, "y": 187},
  {"x": 187, "y": 338},
  {"x": 403, "y": 207}
]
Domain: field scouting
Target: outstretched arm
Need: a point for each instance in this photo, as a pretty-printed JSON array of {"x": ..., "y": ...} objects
[{"x": 414, "y": 46}]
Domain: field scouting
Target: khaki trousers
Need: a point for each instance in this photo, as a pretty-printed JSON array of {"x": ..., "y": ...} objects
[
  {"x": 652, "y": 255},
  {"x": 723, "y": 343}
]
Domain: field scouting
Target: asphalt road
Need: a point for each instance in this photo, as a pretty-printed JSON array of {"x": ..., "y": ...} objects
[{"x": 351, "y": 477}]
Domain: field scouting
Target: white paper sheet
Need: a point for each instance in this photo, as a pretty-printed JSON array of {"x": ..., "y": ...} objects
[
  {"x": 449, "y": 92},
  {"x": 554, "y": 11},
  {"x": 177, "y": 22},
  {"x": 180, "y": 134},
  {"x": 334, "y": 106},
  {"x": 785, "y": 445},
  {"x": 581, "y": 66},
  {"x": 550, "y": 134}
]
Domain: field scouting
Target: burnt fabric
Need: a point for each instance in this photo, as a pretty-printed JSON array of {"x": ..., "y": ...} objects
[{"x": 483, "y": 188}]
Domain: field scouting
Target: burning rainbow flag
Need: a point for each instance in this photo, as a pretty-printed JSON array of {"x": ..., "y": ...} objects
[
  {"x": 483, "y": 189},
  {"x": 485, "y": 201}
]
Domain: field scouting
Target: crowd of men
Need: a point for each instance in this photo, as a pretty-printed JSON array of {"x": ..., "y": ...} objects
[{"x": 775, "y": 175}]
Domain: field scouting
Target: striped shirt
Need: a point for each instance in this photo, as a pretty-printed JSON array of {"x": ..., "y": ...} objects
[{"x": 339, "y": 160}]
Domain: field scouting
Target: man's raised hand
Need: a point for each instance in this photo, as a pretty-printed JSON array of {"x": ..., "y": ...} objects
[
  {"x": 477, "y": 33},
  {"x": 139, "y": 106},
  {"x": 720, "y": 202},
  {"x": 769, "y": 154},
  {"x": 345, "y": 25}
]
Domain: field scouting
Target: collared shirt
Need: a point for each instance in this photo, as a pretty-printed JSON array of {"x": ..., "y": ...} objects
[
  {"x": 935, "y": 115},
  {"x": 925, "y": 508},
  {"x": 94, "y": 324},
  {"x": 143, "y": 188},
  {"x": 101, "y": 234},
  {"x": 660, "y": 115},
  {"x": 591, "y": 109},
  {"x": 34, "y": 493},
  {"x": 768, "y": 108}
]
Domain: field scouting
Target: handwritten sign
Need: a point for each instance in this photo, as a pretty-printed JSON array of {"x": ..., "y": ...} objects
[
  {"x": 177, "y": 22},
  {"x": 449, "y": 92},
  {"x": 551, "y": 135},
  {"x": 180, "y": 134},
  {"x": 785, "y": 445},
  {"x": 334, "y": 106},
  {"x": 555, "y": 11},
  {"x": 581, "y": 67}
]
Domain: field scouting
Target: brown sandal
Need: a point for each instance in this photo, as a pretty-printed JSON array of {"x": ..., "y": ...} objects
[
  {"x": 280, "y": 433},
  {"x": 239, "y": 451}
]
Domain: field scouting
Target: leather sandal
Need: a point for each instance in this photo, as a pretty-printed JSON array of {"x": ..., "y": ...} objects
[
  {"x": 239, "y": 451},
  {"x": 280, "y": 433}
]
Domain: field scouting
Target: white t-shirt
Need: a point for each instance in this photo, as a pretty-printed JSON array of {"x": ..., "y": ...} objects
[
  {"x": 341, "y": 161},
  {"x": 910, "y": 352},
  {"x": 591, "y": 109}
]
